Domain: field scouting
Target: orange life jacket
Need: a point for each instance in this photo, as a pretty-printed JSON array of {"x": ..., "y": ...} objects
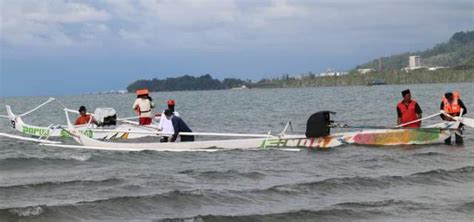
[
  {"x": 83, "y": 120},
  {"x": 453, "y": 108},
  {"x": 409, "y": 114}
]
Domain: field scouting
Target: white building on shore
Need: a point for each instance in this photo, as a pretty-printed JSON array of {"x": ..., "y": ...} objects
[
  {"x": 414, "y": 62},
  {"x": 364, "y": 71},
  {"x": 333, "y": 73}
]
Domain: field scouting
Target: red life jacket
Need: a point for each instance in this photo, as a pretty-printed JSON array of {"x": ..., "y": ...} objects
[
  {"x": 409, "y": 114},
  {"x": 453, "y": 108}
]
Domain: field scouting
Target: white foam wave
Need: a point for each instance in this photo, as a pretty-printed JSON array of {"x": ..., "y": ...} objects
[{"x": 27, "y": 211}]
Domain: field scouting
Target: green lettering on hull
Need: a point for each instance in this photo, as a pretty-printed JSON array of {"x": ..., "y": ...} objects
[
  {"x": 274, "y": 143},
  {"x": 87, "y": 132},
  {"x": 35, "y": 131}
]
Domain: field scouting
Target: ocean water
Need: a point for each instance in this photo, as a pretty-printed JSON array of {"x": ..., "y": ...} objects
[{"x": 349, "y": 183}]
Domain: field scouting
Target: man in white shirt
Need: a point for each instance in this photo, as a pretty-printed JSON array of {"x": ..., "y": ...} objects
[
  {"x": 165, "y": 125},
  {"x": 143, "y": 105}
]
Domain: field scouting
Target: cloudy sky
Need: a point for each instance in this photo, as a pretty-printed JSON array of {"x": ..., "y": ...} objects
[{"x": 68, "y": 47}]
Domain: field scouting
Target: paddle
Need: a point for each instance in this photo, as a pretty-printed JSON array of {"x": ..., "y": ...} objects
[
  {"x": 467, "y": 121},
  {"x": 464, "y": 120},
  {"x": 418, "y": 120}
]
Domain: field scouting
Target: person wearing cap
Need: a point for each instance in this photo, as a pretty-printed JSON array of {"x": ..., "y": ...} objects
[
  {"x": 179, "y": 126},
  {"x": 142, "y": 106},
  {"x": 84, "y": 118},
  {"x": 165, "y": 125},
  {"x": 452, "y": 105},
  {"x": 408, "y": 110}
]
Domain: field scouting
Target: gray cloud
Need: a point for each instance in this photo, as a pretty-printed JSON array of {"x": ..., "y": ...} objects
[
  {"x": 225, "y": 24},
  {"x": 217, "y": 36}
]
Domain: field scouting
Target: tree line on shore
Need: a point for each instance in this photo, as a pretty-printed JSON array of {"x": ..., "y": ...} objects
[{"x": 187, "y": 82}]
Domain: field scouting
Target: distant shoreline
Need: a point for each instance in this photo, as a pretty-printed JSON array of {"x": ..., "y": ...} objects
[
  {"x": 254, "y": 88},
  {"x": 354, "y": 79},
  {"x": 382, "y": 78}
]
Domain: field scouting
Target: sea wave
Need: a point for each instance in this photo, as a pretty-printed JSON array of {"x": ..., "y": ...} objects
[
  {"x": 428, "y": 154},
  {"x": 63, "y": 157},
  {"x": 154, "y": 203},
  {"x": 101, "y": 208},
  {"x": 228, "y": 174},
  {"x": 467, "y": 207},
  {"x": 381, "y": 203},
  {"x": 11, "y": 213},
  {"x": 52, "y": 184},
  {"x": 299, "y": 215},
  {"x": 432, "y": 177}
]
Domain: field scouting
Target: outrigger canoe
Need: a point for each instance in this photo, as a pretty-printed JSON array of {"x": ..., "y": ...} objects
[
  {"x": 369, "y": 137},
  {"x": 122, "y": 131},
  {"x": 317, "y": 136}
]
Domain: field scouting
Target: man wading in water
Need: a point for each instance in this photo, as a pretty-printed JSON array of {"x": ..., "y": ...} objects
[
  {"x": 408, "y": 110},
  {"x": 165, "y": 125},
  {"x": 179, "y": 126},
  {"x": 452, "y": 105}
]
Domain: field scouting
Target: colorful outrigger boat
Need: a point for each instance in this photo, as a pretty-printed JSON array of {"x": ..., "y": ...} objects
[{"x": 317, "y": 136}]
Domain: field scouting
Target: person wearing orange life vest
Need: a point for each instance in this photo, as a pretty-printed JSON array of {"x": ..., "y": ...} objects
[
  {"x": 408, "y": 110},
  {"x": 84, "y": 118},
  {"x": 452, "y": 105},
  {"x": 142, "y": 106}
]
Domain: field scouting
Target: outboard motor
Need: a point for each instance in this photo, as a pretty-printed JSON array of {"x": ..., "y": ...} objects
[
  {"x": 318, "y": 124},
  {"x": 105, "y": 116}
]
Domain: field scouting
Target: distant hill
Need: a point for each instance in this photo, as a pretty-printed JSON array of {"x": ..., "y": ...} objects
[{"x": 457, "y": 53}]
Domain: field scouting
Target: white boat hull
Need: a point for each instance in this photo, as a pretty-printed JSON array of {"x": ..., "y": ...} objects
[
  {"x": 380, "y": 137},
  {"x": 124, "y": 131}
]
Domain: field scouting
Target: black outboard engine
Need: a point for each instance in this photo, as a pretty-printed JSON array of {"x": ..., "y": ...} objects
[
  {"x": 318, "y": 124},
  {"x": 110, "y": 121},
  {"x": 105, "y": 116}
]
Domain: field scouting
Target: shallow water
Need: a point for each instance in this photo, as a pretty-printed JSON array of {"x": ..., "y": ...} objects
[{"x": 400, "y": 183}]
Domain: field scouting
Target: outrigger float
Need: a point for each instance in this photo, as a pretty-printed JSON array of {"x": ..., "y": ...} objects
[{"x": 317, "y": 135}]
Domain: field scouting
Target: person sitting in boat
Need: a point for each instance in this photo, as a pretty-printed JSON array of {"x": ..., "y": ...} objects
[
  {"x": 179, "y": 126},
  {"x": 408, "y": 111},
  {"x": 451, "y": 104},
  {"x": 143, "y": 105},
  {"x": 165, "y": 125},
  {"x": 84, "y": 118}
]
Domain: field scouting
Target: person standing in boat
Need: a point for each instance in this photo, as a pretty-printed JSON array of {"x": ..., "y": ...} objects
[
  {"x": 451, "y": 104},
  {"x": 165, "y": 125},
  {"x": 408, "y": 110},
  {"x": 179, "y": 126},
  {"x": 84, "y": 118},
  {"x": 143, "y": 105}
]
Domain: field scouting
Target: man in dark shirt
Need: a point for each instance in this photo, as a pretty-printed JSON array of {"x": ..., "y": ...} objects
[
  {"x": 452, "y": 105},
  {"x": 408, "y": 110},
  {"x": 179, "y": 126}
]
